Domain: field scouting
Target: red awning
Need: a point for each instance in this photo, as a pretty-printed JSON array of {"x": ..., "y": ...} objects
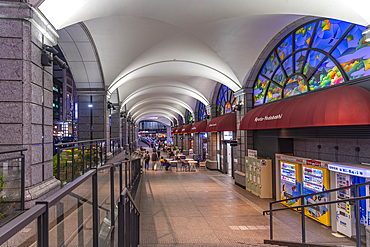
[
  {"x": 347, "y": 105},
  {"x": 176, "y": 130},
  {"x": 223, "y": 123},
  {"x": 199, "y": 127},
  {"x": 186, "y": 128}
]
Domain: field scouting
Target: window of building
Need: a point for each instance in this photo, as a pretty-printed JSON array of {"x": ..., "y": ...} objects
[
  {"x": 188, "y": 116},
  {"x": 202, "y": 111},
  {"x": 316, "y": 55},
  {"x": 226, "y": 101}
]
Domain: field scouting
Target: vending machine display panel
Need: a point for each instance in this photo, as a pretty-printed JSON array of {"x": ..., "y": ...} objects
[{"x": 290, "y": 182}]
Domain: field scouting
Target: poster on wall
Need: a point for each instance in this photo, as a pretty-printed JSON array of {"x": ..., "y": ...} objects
[{"x": 252, "y": 153}]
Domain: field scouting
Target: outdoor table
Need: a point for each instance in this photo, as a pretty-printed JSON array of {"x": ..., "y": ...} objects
[{"x": 192, "y": 164}]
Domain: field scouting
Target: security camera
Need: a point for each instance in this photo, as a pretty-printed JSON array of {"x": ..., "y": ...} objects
[
  {"x": 50, "y": 49},
  {"x": 60, "y": 63}
]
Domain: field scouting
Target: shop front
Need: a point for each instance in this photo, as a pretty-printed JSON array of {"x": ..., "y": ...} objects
[
  {"x": 187, "y": 139},
  {"x": 225, "y": 127},
  {"x": 200, "y": 136}
]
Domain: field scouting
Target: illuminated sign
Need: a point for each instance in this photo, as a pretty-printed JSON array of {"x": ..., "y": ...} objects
[
  {"x": 351, "y": 170},
  {"x": 55, "y": 89}
]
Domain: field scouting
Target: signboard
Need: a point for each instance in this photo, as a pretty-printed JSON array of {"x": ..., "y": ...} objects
[
  {"x": 350, "y": 170},
  {"x": 304, "y": 161},
  {"x": 252, "y": 153},
  {"x": 228, "y": 135}
]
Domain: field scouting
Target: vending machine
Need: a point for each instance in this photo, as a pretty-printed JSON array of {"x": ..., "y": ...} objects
[
  {"x": 344, "y": 209},
  {"x": 347, "y": 175},
  {"x": 315, "y": 180},
  {"x": 290, "y": 182}
]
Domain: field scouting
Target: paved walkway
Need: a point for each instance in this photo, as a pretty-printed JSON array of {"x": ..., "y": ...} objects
[{"x": 206, "y": 208}]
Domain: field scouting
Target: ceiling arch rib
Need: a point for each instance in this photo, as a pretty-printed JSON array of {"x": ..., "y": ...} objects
[
  {"x": 158, "y": 106},
  {"x": 163, "y": 120},
  {"x": 79, "y": 49},
  {"x": 167, "y": 90},
  {"x": 163, "y": 113},
  {"x": 172, "y": 100},
  {"x": 179, "y": 50}
]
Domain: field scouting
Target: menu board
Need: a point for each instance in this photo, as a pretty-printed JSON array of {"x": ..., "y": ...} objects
[
  {"x": 290, "y": 186},
  {"x": 313, "y": 179}
]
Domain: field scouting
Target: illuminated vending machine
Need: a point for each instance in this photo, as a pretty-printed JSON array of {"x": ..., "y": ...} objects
[
  {"x": 347, "y": 175},
  {"x": 315, "y": 179},
  {"x": 290, "y": 183}
]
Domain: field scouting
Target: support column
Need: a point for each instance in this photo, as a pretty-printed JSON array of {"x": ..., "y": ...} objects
[
  {"x": 92, "y": 115},
  {"x": 26, "y": 96},
  {"x": 124, "y": 127},
  {"x": 185, "y": 150}
]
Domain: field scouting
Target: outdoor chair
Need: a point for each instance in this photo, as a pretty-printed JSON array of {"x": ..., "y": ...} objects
[
  {"x": 162, "y": 165},
  {"x": 202, "y": 164},
  {"x": 173, "y": 164},
  {"x": 185, "y": 165}
]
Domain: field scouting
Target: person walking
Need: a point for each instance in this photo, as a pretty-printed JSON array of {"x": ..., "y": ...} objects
[
  {"x": 154, "y": 160},
  {"x": 146, "y": 160}
]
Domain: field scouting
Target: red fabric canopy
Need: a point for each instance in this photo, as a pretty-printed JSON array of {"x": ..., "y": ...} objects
[
  {"x": 223, "y": 123},
  {"x": 176, "y": 130},
  {"x": 199, "y": 127},
  {"x": 186, "y": 129},
  {"x": 346, "y": 105}
]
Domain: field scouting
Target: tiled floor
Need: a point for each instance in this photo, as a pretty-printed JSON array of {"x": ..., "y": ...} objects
[{"x": 207, "y": 209}]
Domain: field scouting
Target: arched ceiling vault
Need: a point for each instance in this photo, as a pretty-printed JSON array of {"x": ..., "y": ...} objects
[
  {"x": 163, "y": 113},
  {"x": 177, "y": 48},
  {"x": 159, "y": 106},
  {"x": 167, "y": 100}
]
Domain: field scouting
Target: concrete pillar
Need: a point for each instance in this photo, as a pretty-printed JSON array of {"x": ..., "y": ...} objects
[
  {"x": 196, "y": 145},
  {"x": 186, "y": 144},
  {"x": 26, "y": 95},
  {"x": 124, "y": 130},
  {"x": 92, "y": 120},
  {"x": 212, "y": 138}
]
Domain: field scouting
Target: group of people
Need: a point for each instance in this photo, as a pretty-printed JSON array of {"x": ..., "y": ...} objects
[{"x": 156, "y": 154}]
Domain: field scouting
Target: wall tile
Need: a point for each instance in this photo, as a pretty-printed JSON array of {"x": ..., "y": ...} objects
[
  {"x": 11, "y": 70},
  {"x": 36, "y": 74},
  {"x": 11, "y": 91},
  {"x": 347, "y": 147},
  {"x": 11, "y": 112},
  {"x": 48, "y": 170},
  {"x": 36, "y": 153},
  {"x": 10, "y": 28},
  {"x": 327, "y": 145},
  {"x": 48, "y": 151},
  {"x": 10, "y": 134},
  {"x": 36, "y": 174},
  {"x": 36, "y": 94},
  {"x": 36, "y": 116},
  {"x": 36, "y": 134},
  {"x": 48, "y": 116},
  {"x": 11, "y": 48}
]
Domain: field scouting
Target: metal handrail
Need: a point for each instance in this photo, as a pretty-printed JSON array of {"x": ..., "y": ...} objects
[
  {"x": 126, "y": 192},
  {"x": 41, "y": 209},
  {"x": 13, "y": 150},
  {"x": 323, "y": 192},
  {"x": 355, "y": 199}
]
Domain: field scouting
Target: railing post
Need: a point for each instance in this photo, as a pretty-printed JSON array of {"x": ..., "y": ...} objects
[
  {"x": 90, "y": 155},
  {"x": 96, "y": 154},
  {"x": 120, "y": 177},
  {"x": 43, "y": 227},
  {"x": 129, "y": 174},
  {"x": 112, "y": 204},
  {"x": 121, "y": 223},
  {"x": 126, "y": 184},
  {"x": 127, "y": 221},
  {"x": 271, "y": 224},
  {"x": 303, "y": 225},
  {"x": 101, "y": 153},
  {"x": 83, "y": 159},
  {"x": 95, "y": 209},
  {"x": 138, "y": 228},
  {"x": 23, "y": 177},
  {"x": 358, "y": 217},
  {"x": 73, "y": 163},
  {"x": 58, "y": 163}
]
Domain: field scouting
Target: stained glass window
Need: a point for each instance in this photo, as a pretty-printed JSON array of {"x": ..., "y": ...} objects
[
  {"x": 188, "y": 116},
  {"x": 315, "y": 55},
  {"x": 202, "y": 111},
  {"x": 226, "y": 101}
]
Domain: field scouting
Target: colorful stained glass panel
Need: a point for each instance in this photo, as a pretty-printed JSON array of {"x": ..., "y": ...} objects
[
  {"x": 328, "y": 33},
  {"x": 274, "y": 93},
  {"x": 295, "y": 85},
  {"x": 353, "y": 54},
  {"x": 313, "y": 59},
  {"x": 279, "y": 76},
  {"x": 270, "y": 65},
  {"x": 288, "y": 65},
  {"x": 299, "y": 60},
  {"x": 202, "y": 112},
  {"x": 303, "y": 36},
  {"x": 285, "y": 48},
  {"x": 259, "y": 90},
  {"x": 326, "y": 75}
]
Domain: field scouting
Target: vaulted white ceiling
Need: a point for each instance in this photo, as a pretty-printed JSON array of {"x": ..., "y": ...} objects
[{"x": 177, "y": 49}]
